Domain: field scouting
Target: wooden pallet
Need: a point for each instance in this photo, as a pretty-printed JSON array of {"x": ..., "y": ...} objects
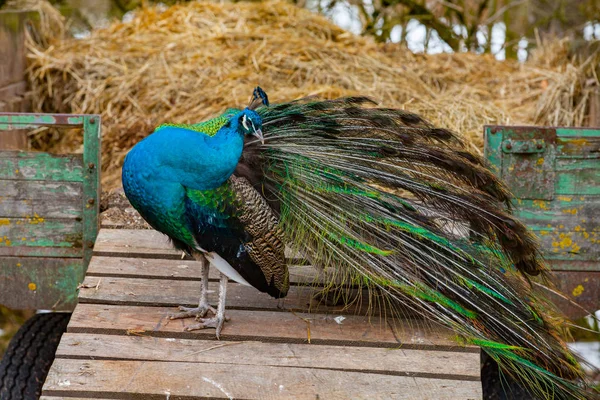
[{"x": 121, "y": 345}]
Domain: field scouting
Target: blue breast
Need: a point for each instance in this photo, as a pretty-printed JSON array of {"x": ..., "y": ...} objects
[{"x": 158, "y": 169}]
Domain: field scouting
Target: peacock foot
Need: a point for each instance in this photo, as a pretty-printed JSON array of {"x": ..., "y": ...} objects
[
  {"x": 215, "y": 322},
  {"x": 188, "y": 312}
]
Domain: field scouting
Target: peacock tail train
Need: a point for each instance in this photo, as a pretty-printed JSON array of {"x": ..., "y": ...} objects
[{"x": 394, "y": 204}]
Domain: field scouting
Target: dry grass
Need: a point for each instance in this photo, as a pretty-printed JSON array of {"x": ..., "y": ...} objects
[{"x": 191, "y": 61}]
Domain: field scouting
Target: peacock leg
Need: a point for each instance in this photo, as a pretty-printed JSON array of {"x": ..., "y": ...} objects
[
  {"x": 203, "y": 306},
  {"x": 219, "y": 318}
]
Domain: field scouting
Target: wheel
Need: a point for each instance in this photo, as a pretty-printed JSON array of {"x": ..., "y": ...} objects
[{"x": 29, "y": 355}]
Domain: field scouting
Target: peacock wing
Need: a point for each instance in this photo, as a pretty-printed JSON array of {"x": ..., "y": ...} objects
[{"x": 235, "y": 221}]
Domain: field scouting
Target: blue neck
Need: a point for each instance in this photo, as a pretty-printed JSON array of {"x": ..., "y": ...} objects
[{"x": 186, "y": 157}]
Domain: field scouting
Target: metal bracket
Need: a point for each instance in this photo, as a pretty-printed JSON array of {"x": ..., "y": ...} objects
[{"x": 524, "y": 146}]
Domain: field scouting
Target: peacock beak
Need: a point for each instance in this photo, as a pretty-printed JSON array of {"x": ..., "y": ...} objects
[{"x": 258, "y": 133}]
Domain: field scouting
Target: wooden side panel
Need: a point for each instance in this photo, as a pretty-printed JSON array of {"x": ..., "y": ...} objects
[
  {"x": 557, "y": 185},
  {"x": 40, "y": 283},
  {"x": 37, "y": 231},
  {"x": 25, "y": 199},
  {"x": 22, "y": 165}
]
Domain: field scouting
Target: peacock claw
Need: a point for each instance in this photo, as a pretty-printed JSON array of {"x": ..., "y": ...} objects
[
  {"x": 215, "y": 322},
  {"x": 188, "y": 312}
]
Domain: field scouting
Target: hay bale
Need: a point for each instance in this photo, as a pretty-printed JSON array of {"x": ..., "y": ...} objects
[{"x": 190, "y": 62}]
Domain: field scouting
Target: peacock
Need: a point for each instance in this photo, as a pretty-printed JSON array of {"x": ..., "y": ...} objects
[{"x": 380, "y": 196}]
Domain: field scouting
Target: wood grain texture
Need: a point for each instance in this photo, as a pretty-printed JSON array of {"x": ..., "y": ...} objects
[
  {"x": 23, "y": 165},
  {"x": 24, "y": 199},
  {"x": 30, "y": 283},
  {"x": 266, "y": 326},
  {"x": 121, "y": 343},
  {"x": 147, "y": 243},
  {"x": 144, "y": 379},
  {"x": 37, "y": 231},
  {"x": 165, "y": 292},
  {"x": 402, "y": 362},
  {"x": 176, "y": 269}
]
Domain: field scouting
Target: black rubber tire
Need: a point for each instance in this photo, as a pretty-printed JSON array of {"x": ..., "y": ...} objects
[{"x": 29, "y": 355}]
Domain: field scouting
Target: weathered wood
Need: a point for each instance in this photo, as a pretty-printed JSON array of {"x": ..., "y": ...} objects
[
  {"x": 557, "y": 184},
  {"x": 577, "y": 177},
  {"x": 436, "y": 364},
  {"x": 91, "y": 183},
  {"x": 147, "y": 243},
  {"x": 134, "y": 243},
  {"x": 167, "y": 293},
  {"x": 35, "y": 283},
  {"x": 594, "y": 112},
  {"x": 266, "y": 326},
  {"x": 176, "y": 269},
  {"x": 25, "y": 251},
  {"x": 12, "y": 45},
  {"x": 22, "y": 165},
  {"x": 23, "y": 199},
  {"x": 582, "y": 292},
  {"x": 37, "y": 231},
  {"x": 149, "y": 380}
]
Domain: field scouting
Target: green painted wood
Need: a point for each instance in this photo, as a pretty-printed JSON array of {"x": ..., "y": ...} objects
[
  {"x": 26, "y": 165},
  {"x": 40, "y": 283},
  {"x": 16, "y": 121},
  {"x": 49, "y": 206},
  {"x": 570, "y": 212},
  {"x": 91, "y": 184},
  {"x": 37, "y": 231},
  {"x": 493, "y": 148},
  {"x": 558, "y": 197},
  {"x": 50, "y": 252},
  {"x": 24, "y": 199},
  {"x": 578, "y": 147}
]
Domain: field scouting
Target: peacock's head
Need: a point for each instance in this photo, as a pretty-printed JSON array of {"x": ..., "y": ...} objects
[{"x": 250, "y": 123}]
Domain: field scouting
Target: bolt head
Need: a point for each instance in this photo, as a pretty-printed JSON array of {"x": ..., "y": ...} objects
[{"x": 509, "y": 146}]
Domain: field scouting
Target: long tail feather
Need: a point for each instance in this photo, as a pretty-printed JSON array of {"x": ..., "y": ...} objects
[{"x": 394, "y": 203}]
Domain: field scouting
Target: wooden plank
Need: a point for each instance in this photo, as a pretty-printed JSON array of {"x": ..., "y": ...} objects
[
  {"x": 23, "y": 199},
  {"x": 176, "y": 269},
  {"x": 432, "y": 364},
  {"x": 133, "y": 243},
  {"x": 562, "y": 244},
  {"x": 24, "y": 251},
  {"x": 147, "y": 243},
  {"x": 577, "y": 177},
  {"x": 563, "y": 210},
  {"x": 91, "y": 182},
  {"x": 168, "y": 293},
  {"x": 37, "y": 231},
  {"x": 578, "y": 147},
  {"x": 12, "y": 45},
  {"x": 22, "y": 165},
  {"x": 153, "y": 380},
  {"x": 40, "y": 283},
  {"x": 583, "y": 288},
  {"x": 267, "y": 326}
]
